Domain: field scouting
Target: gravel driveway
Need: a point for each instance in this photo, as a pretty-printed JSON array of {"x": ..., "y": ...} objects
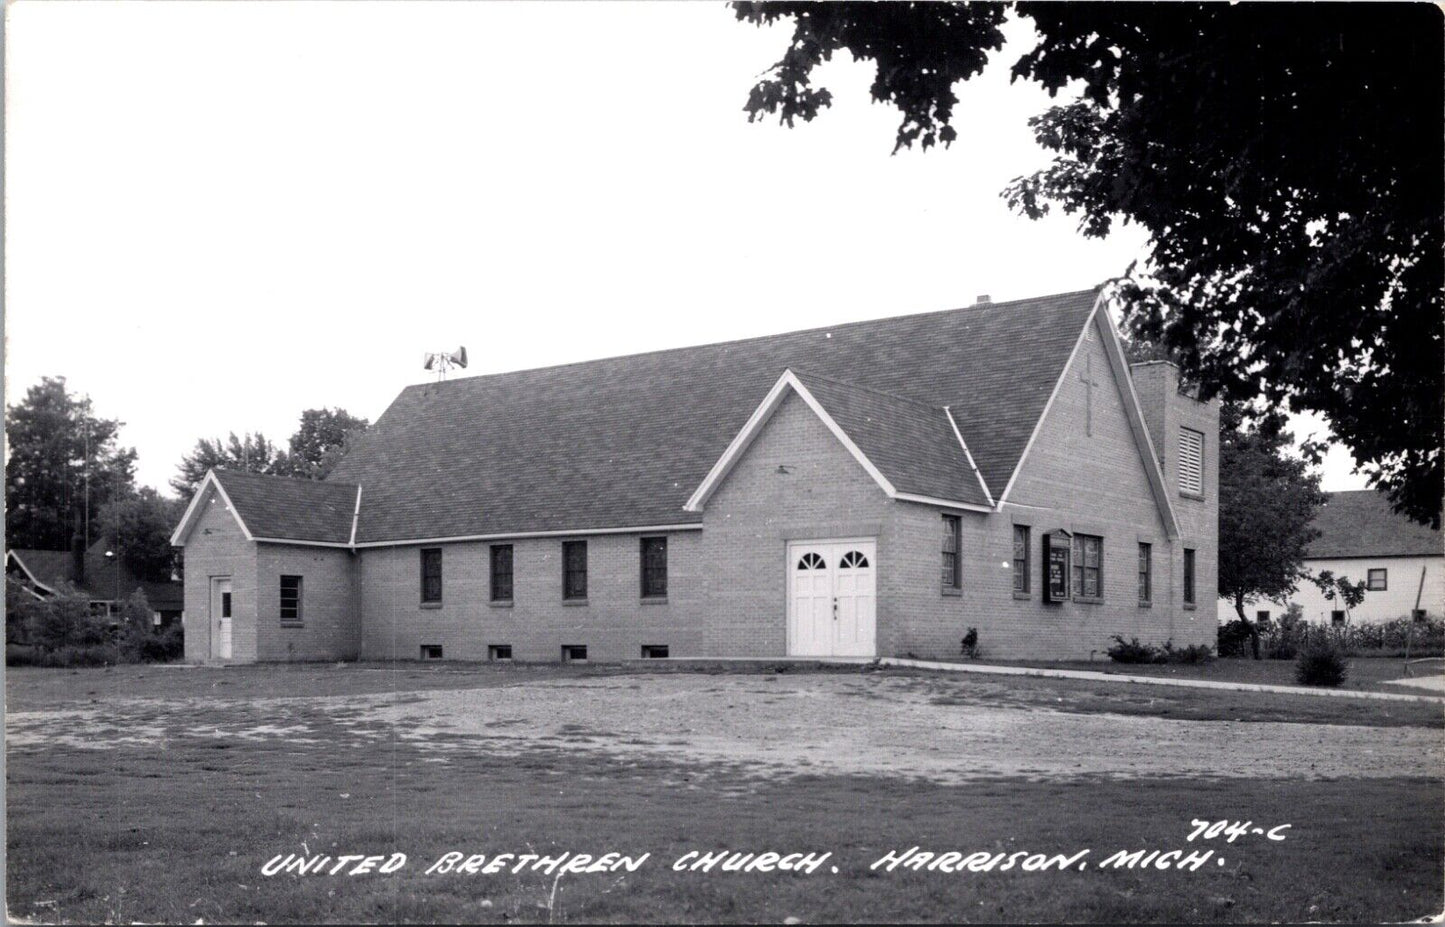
[{"x": 746, "y": 727}]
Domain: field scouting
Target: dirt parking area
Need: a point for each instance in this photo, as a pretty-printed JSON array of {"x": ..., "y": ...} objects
[{"x": 759, "y": 727}]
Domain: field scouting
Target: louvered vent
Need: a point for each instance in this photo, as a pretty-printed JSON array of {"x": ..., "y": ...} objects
[{"x": 1191, "y": 461}]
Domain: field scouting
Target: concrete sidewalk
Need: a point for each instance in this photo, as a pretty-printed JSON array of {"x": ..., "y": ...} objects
[
  {"x": 988, "y": 669},
  {"x": 995, "y": 670}
]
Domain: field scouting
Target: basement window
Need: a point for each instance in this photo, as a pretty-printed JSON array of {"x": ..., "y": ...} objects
[
  {"x": 499, "y": 652},
  {"x": 654, "y": 651},
  {"x": 574, "y": 653},
  {"x": 1337, "y": 617},
  {"x": 431, "y": 651}
]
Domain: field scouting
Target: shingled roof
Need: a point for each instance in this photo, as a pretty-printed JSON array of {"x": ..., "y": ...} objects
[
  {"x": 55, "y": 569},
  {"x": 1360, "y": 523},
  {"x": 294, "y": 509},
  {"x": 623, "y": 442}
]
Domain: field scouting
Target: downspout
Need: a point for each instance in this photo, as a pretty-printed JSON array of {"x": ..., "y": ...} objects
[
  {"x": 356, "y": 574},
  {"x": 355, "y": 517}
]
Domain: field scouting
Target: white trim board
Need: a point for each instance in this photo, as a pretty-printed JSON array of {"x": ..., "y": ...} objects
[
  {"x": 760, "y": 417},
  {"x": 1119, "y": 366},
  {"x": 26, "y": 570},
  {"x": 183, "y": 529},
  {"x": 1053, "y": 394},
  {"x": 973, "y": 466},
  {"x": 515, "y": 535},
  {"x": 1135, "y": 414}
]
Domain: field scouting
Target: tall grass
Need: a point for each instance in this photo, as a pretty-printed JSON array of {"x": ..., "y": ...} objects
[{"x": 1285, "y": 641}]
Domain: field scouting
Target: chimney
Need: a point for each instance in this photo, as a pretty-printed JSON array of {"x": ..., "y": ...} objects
[
  {"x": 1156, "y": 383},
  {"x": 983, "y": 300}
]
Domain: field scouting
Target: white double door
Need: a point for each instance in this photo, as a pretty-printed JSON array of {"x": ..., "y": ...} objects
[{"x": 832, "y": 601}]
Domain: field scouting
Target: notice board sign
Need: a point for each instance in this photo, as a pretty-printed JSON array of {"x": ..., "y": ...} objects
[{"x": 1057, "y": 547}]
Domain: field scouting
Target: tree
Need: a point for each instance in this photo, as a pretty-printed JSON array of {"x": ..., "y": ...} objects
[
  {"x": 1267, "y": 505},
  {"x": 1349, "y": 594},
  {"x": 251, "y": 454},
  {"x": 321, "y": 440},
  {"x": 139, "y": 529},
  {"x": 1284, "y": 161},
  {"x": 64, "y": 465}
]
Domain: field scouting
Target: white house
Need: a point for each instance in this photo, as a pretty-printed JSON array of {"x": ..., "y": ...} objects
[{"x": 1401, "y": 562}]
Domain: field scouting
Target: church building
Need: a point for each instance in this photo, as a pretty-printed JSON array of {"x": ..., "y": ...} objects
[{"x": 875, "y": 488}]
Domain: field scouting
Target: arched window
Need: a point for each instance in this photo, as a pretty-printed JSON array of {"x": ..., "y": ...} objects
[
  {"x": 811, "y": 561},
  {"x": 854, "y": 560}
]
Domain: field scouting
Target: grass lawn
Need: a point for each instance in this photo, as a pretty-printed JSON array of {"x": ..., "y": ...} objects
[
  {"x": 178, "y": 828},
  {"x": 1365, "y": 673}
]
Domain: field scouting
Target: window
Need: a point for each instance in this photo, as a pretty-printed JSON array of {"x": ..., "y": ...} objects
[
  {"x": 290, "y": 600},
  {"x": 1262, "y": 616},
  {"x": 952, "y": 529},
  {"x": 1376, "y": 580},
  {"x": 497, "y": 652},
  {"x": 574, "y": 653},
  {"x": 1417, "y": 614},
  {"x": 1191, "y": 461},
  {"x": 1337, "y": 617},
  {"x": 574, "y": 570},
  {"x": 654, "y": 568},
  {"x": 1088, "y": 567},
  {"x": 1021, "y": 559},
  {"x": 654, "y": 651},
  {"x": 1146, "y": 573},
  {"x": 431, "y": 651},
  {"x": 431, "y": 575},
  {"x": 1188, "y": 576},
  {"x": 225, "y": 605},
  {"x": 501, "y": 572}
]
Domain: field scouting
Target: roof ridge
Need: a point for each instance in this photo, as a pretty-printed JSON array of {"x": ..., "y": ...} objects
[
  {"x": 277, "y": 476},
  {"x": 756, "y": 338},
  {"x": 802, "y": 371}
]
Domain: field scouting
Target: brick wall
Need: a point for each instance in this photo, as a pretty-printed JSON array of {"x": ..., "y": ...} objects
[
  {"x": 757, "y": 510},
  {"x": 1085, "y": 483},
  {"x": 1166, "y": 410},
  {"x": 613, "y": 623},
  {"x": 217, "y": 547},
  {"x": 330, "y": 627}
]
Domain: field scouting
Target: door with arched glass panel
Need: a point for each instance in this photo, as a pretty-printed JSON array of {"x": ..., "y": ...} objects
[{"x": 832, "y": 601}]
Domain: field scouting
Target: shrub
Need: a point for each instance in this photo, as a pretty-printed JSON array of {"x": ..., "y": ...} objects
[
  {"x": 1194, "y": 653},
  {"x": 161, "y": 645},
  {"x": 969, "y": 647},
  {"x": 1281, "y": 641},
  {"x": 1321, "y": 665},
  {"x": 1132, "y": 651},
  {"x": 1233, "y": 638}
]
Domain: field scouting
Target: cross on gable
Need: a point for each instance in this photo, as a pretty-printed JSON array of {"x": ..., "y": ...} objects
[{"x": 1087, "y": 377}]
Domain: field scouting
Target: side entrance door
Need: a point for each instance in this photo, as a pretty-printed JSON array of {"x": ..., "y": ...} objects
[
  {"x": 221, "y": 617},
  {"x": 832, "y": 602}
]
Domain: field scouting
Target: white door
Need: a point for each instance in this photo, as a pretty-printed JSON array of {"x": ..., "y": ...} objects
[
  {"x": 832, "y": 605},
  {"x": 221, "y": 619}
]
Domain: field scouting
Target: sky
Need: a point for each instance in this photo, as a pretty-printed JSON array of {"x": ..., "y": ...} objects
[{"x": 221, "y": 214}]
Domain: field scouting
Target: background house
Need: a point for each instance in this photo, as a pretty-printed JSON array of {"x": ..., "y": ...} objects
[
  {"x": 107, "y": 583},
  {"x": 1401, "y": 562}
]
